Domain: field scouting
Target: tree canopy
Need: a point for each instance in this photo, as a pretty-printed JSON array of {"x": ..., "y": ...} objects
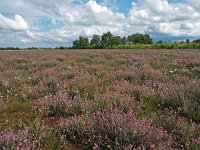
[
  {"x": 107, "y": 40},
  {"x": 140, "y": 39},
  {"x": 81, "y": 43},
  {"x": 96, "y": 41}
]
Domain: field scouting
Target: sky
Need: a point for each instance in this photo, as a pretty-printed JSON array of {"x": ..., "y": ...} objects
[{"x": 51, "y": 23}]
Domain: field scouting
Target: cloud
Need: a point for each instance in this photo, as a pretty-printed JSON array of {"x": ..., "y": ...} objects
[
  {"x": 160, "y": 16},
  {"x": 103, "y": 15},
  {"x": 18, "y": 23},
  {"x": 56, "y": 22},
  {"x": 83, "y": 19},
  {"x": 88, "y": 14}
]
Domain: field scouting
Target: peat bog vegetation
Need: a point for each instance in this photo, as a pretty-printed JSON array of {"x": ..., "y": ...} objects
[{"x": 100, "y": 99}]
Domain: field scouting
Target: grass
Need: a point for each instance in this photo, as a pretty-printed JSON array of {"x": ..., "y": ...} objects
[
  {"x": 16, "y": 107},
  {"x": 14, "y": 112}
]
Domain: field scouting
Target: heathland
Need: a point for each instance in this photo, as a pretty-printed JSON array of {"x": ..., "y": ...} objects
[{"x": 100, "y": 99}]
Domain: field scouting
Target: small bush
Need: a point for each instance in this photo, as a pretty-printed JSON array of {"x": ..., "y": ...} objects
[
  {"x": 63, "y": 109},
  {"x": 112, "y": 130},
  {"x": 51, "y": 86},
  {"x": 83, "y": 92},
  {"x": 125, "y": 77},
  {"x": 4, "y": 89},
  {"x": 11, "y": 140},
  {"x": 73, "y": 91},
  {"x": 185, "y": 101}
]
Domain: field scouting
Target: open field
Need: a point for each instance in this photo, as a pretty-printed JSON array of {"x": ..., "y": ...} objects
[{"x": 100, "y": 99}]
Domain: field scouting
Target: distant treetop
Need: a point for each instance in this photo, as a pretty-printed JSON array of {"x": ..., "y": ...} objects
[{"x": 108, "y": 40}]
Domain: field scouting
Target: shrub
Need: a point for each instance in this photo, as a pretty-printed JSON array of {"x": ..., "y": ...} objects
[
  {"x": 10, "y": 140},
  {"x": 51, "y": 86},
  {"x": 85, "y": 92},
  {"x": 74, "y": 91},
  {"x": 185, "y": 101},
  {"x": 113, "y": 130},
  {"x": 4, "y": 90},
  {"x": 63, "y": 109}
]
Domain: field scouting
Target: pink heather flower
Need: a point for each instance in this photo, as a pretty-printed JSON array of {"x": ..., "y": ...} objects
[
  {"x": 152, "y": 146},
  {"x": 197, "y": 141},
  {"x": 24, "y": 141},
  {"x": 142, "y": 133},
  {"x": 95, "y": 146},
  {"x": 120, "y": 129}
]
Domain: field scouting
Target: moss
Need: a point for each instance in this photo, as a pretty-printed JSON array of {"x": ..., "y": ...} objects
[
  {"x": 14, "y": 112},
  {"x": 17, "y": 107}
]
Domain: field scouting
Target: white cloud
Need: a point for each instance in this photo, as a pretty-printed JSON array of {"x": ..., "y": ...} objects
[
  {"x": 18, "y": 23},
  {"x": 84, "y": 19},
  {"x": 174, "y": 19},
  {"x": 89, "y": 14},
  {"x": 24, "y": 40},
  {"x": 104, "y": 16}
]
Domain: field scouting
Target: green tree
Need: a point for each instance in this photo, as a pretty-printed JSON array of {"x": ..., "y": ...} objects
[
  {"x": 96, "y": 41},
  {"x": 76, "y": 44},
  {"x": 116, "y": 40},
  {"x": 140, "y": 39},
  {"x": 124, "y": 41},
  {"x": 61, "y": 47},
  {"x": 159, "y": 42},
  {"x": 148, "y": 39},
  {"x": 81, "y": 43},
  {"x": 84, "y": 42},
  {"x": 187, "y": 41},
  {"x": 106, "y": 39},
  {"x": 197, "y": 41}
]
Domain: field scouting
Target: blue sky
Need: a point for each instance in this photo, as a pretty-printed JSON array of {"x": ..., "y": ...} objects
[{"x": 47, "y": 23}]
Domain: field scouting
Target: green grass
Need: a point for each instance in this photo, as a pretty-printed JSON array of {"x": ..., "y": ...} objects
[
  {"x": 17, "y": 107},
  {"x": 195, "y": 74},
  {"x": 14, "y": 112}
]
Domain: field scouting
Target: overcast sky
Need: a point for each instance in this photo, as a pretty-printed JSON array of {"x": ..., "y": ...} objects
[{"x": 46, "y": 23}]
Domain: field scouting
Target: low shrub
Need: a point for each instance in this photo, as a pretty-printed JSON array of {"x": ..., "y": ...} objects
[
  {"x": 11, "y": 140},
  {"x": 51, "y": 86},
  {"x": 113, "y": 129},
  {"x": 185, "y": 101},
  {"x": 63, "y": 109}
]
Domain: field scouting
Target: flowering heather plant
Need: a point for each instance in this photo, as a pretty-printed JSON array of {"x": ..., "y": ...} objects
[
  {"x": 195, "y": 144},
  {"x": 184, "y": 100},
  {"x": 10, "y": 140},
  {"x": 92, "y": 95},
  {"x": 113, "y": 129},
  {"x": 58, "y": 106}
]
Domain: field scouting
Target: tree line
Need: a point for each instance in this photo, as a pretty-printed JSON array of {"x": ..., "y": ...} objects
[
  {"x": 133, "y": 41},
  {"x": 108, "y": 40}
]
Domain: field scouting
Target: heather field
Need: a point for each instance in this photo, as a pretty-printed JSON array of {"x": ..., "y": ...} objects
[{"x": 100, "y": 99}]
